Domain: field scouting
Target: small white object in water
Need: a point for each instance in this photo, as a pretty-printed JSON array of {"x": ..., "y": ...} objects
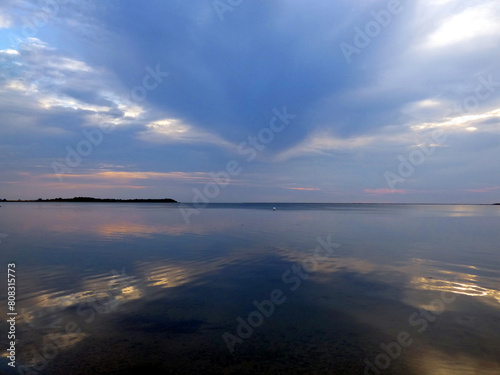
[{"x": 274, "y": 208}]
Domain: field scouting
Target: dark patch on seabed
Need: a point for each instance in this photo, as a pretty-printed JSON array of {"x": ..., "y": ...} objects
[
  {"x": 301, "y": 337},
  {"x": 306, "y": 355}
]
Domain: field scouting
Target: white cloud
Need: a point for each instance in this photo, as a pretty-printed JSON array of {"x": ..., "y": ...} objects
[
  {"x": 9, "y": 52},
  {"x": 38, "y": 81},
  {"x": 5, "y": 21},
  {"x": 170, "y": 127},
  {"x": 423, "y": 110},
  {"x": 64, "y": 63},
  {"x": 324, "y": 143},
  {"x": 17, "y": 85},
  {"x": 51, "y": 101},
  {"x": 472, "y": 23},
  {"x": 176, "y": 131},
  {"x": 392, "y": 137},
  {"x": 465, "y": 122}
]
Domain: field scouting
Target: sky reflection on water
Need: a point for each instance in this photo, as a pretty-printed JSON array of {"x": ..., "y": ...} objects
[{"x": 129, "y": 275}]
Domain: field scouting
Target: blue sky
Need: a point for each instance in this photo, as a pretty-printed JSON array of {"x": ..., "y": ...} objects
[{"x": 342, "y": 101}]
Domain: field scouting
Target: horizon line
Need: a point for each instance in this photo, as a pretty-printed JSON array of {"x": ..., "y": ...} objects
[{"x": 124, "y": 200}]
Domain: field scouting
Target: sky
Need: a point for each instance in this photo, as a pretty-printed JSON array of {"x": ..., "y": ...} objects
[{"x": 251, "y": 101}]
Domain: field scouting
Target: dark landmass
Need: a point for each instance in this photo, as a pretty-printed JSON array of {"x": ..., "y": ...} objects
[
  {"x": 99, "y": 200},
  {"x": 496, "y": 204}
]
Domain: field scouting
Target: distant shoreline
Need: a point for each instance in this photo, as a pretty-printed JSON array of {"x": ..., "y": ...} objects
[
  {"x": 95, "y": 200},
  {"x": 169, "y": 200}
]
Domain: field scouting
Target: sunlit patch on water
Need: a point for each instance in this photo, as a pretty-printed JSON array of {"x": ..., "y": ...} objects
[
  {"x": 466, "y": 288},
  {"x": 433, "y": 362}
]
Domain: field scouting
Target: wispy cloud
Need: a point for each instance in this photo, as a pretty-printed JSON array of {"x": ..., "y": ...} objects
[
  {"x": 118, "y": 176},
  {"x": 41, "y": 83},
  {"x": 303, "y": 188},
  {"x": 483, "y": 190},
  {"x": 383, "y": 191},
  {"x": 176, "y": 131},
  {"x": 5, "y": 21},
  {"x": 473, "y": 23}
]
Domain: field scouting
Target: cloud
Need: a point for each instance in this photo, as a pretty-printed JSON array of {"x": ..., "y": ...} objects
[
  {"x": 176, "y": 131},
  {"x": 324, "y": 144},
  {"x": 41, "y": 82},
  {"x": 9, "y": 52},
  {"x": 121, "y": 176},
  {"x": 138, "y": 179},
  {"x": 475, "y": 22},
  {"x": 383, "y": 191},
  {"x": 303, "y": 188},
  {"x": 5, "y": 21},
  {"x": 483, "y": 190}
]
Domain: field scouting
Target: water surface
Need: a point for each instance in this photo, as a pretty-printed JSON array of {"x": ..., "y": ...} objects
[{"x": 132, "y": 288}]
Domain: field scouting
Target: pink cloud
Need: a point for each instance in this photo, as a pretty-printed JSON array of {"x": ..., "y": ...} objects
[
  {"x": 483, "y": 190},
  {"x": 299, "y": 188}
]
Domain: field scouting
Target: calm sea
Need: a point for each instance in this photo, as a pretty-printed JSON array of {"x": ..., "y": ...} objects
[{"x": 242, "y": 289}]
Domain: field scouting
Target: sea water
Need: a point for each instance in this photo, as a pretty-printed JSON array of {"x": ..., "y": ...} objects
[{"x": 242, "y": 289}]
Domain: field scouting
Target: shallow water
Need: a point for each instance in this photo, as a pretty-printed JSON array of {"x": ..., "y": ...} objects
[{"x": 132, "y": 288}]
